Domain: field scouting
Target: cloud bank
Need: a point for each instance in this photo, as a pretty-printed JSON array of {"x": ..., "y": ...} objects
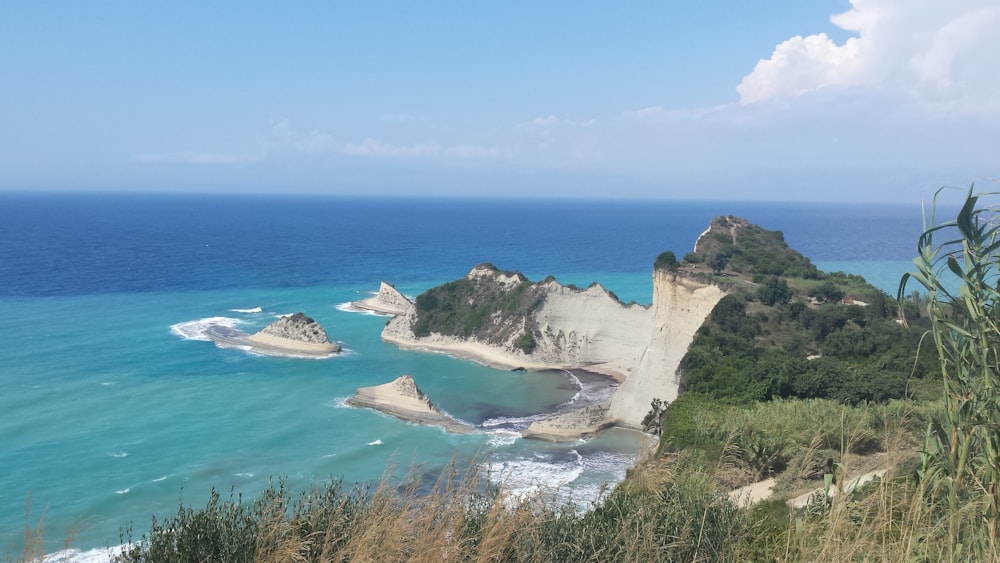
[{"x": 941, "y": 55}]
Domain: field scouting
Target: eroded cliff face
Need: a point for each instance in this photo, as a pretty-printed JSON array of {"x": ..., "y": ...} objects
[
  {"x": 390, "y": 299},
  {"x": 680, "y": 306},
  {"x": 580, "y": 328},
  {"x": 577, "y": 328},
  {"x": 567, "y": 327}
]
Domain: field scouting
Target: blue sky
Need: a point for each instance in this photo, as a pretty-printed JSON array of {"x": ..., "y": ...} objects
[{"x": 870, "y": 100}]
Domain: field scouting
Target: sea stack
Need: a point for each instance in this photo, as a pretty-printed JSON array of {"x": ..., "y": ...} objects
[
  {"x": 402, "y": 399},
  {"x": 295, "y": 334},
  {"x": 388, "y": 301}
]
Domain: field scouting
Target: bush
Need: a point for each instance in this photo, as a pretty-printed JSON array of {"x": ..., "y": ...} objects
[{"x": 667, "y": 261}]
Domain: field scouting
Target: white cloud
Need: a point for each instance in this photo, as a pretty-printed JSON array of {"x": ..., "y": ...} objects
[
  {"x": 553, "y": 121},
  {"x": 195, "y": 157},
  {"x": 373, "y": 148},
  {"x": 938, "y": 54}
]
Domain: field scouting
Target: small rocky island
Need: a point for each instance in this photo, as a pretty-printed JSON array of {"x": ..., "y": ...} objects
[
  {"x": 402, "y": 399},
  {"x": 293, "y": 335},
  {"x": 388, "y": 301}
]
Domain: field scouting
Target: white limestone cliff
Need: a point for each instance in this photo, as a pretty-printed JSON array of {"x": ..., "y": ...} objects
[{"x": 590, "y": 328}]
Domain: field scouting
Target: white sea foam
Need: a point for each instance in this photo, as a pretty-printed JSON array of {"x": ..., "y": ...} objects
[
  {"x": 251, "y": 310},
  {"x": 107, "y": 383},
  {"x": 197, "y": 329},
  {"x": 512, "y": 423},
  {"x": 97, "y": 555},
  {"x": 119, "y": 454},
  {"x": 349, "y": 307},
  {"x": 375, "y": 443},
  {"x": 244, "y": 475},
  {"x": 158, "y": 479},
  {"x": 498, "y": 438},
  {"x": 582, "y": 479},
  {"x": 123, "y": 491},
  {"x": 526, "y": 478},
  {"x": 338, "y": 403}
]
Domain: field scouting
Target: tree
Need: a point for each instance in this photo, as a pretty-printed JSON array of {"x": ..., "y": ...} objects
[
  {"x": 718, "y": 262},
  {"x": 827, "y": 291},
  {"x": 774, "y": 290},
  {"x": 667, "y": 261}
]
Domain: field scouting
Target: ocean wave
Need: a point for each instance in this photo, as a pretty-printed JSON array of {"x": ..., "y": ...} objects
[
  {"x": 96, "y": 555},
  {"x": 244, "y": 475},
  {"x": 375, "y": 443},
  {"x": 338, "y": 403},
  {"x": 251, "y": 310},
  {"x": 512, "y": 423},
  {"x": 530, "y": 478},
  {"x": 498, "y": 438},
  {"x": 349, "y": 307},
  {"x": 568, "y": 478},
  {"x": 119, "y": 454},
  {"x": 197, "y": 329},
  {"x": 158, "y": 479},
  {"x": 123, "y": 491}
]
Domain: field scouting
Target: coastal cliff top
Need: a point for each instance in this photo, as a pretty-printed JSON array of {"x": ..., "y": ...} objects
[{"x": 736, "y": 245}]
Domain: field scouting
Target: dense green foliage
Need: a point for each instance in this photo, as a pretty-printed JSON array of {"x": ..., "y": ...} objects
[
  {"x": 734, "y": 244},
  {"x": 786, "y": 329},
  {"x": 667, "y": 261},
  {"x": 467, "y": 306},
  {"x": 857, "y": 354}
]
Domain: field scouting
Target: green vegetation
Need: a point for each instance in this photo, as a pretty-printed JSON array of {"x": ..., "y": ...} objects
[
  {"x": 960, "y": 469},
  {"x": 788, "y": 330},
  {"x": 467, "y": 308},
  {"x": 733, "y": 243},
  {"x": 667, "y": 261}
]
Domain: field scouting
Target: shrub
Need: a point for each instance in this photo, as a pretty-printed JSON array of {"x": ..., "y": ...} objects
[{"x": 667, "y": 261}]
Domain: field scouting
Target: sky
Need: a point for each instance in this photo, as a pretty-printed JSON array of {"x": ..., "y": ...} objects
[{"x": 860, "y": 100}]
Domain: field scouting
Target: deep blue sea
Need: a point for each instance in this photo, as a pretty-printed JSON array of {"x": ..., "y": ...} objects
[{"x": 113, "y": 406}]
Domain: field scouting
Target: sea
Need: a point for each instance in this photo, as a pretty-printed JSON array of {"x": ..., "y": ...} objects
[{"x": 116, "y": 407}]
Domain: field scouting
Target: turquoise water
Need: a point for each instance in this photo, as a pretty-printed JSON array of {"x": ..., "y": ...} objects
[
  {"x": 113, "y": 409},
  {"x": 155, "y": 416}
]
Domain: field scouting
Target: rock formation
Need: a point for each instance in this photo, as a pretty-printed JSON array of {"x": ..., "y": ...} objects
[
  {"x": 388, "y": 301},
  {"x": 402, "y": 399},
  {"x": 567, "y": 327},
  {"x": 295, "y": 334}
]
